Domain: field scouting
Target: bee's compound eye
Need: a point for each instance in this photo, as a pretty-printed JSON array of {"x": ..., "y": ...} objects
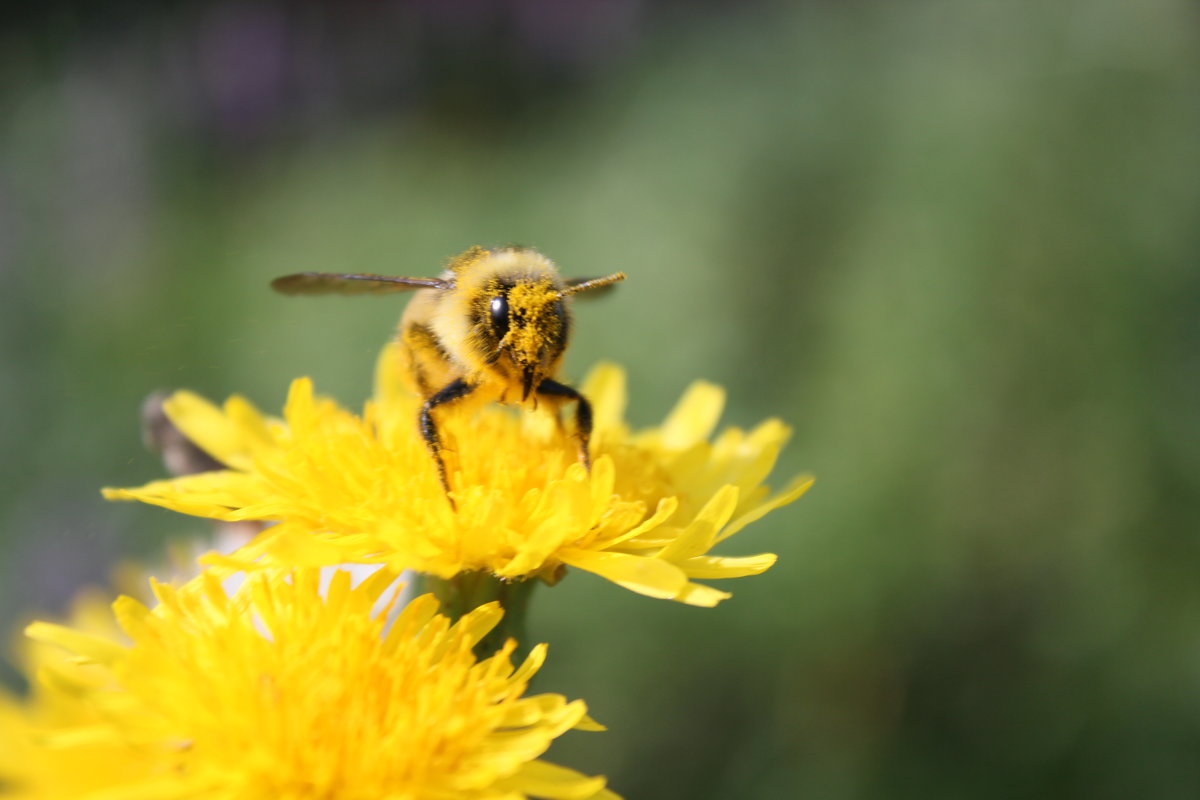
[{"x": 500, "y": 316}]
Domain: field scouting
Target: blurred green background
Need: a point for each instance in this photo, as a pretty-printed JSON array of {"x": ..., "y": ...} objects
[{"x": 953, "y": 244}]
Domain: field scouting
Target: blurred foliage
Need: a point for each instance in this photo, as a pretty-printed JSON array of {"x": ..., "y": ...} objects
[{"x": 953, "y": 244}]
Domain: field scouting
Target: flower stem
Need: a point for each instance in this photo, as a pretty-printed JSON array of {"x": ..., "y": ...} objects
[{"x": 468, "y": 590}]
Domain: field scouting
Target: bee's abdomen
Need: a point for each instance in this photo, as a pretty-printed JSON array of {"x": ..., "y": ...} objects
[{"x": 429, "y": 365}]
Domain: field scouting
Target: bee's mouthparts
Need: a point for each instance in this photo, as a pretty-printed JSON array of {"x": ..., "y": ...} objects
[{"x": 527, "y": 383}]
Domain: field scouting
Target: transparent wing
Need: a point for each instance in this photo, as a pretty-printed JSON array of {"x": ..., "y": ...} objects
[{"x": 349, "y": 283}]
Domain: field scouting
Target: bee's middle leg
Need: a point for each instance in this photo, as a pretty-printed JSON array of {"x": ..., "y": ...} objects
[
  {"x": 583, "y": 414},
  {"x": 455, "y": 390}
]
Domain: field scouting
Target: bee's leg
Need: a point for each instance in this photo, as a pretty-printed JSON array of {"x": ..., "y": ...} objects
[
  {"x": 447, "y": 394},
  {"x": 583, "y": 414}
]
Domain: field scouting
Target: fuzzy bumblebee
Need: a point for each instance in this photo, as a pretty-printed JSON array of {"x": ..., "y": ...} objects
[{"x": 494, "y": 325}]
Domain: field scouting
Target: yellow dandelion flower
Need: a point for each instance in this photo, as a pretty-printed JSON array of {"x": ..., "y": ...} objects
[
  {"x": 28, "y": 769},
  {"x": 345, "y": 488},
  {"x": 285, "y": 690}
]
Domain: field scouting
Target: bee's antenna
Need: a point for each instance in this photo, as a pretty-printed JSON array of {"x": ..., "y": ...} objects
[{"x": 592, "y": 283}]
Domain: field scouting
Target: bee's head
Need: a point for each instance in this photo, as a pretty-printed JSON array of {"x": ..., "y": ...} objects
[{"x": 528, "y": 320}]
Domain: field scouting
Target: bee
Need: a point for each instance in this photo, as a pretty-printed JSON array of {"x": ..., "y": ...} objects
[{"x": 494, "y": 325}]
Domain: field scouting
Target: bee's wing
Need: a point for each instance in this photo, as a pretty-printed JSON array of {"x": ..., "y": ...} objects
[
  {"x": 594, "y": 286},
  {"x": 345, "y": 283}
]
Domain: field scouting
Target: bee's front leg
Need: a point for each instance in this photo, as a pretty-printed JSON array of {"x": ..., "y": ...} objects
[
  {"x": 583, "y": 414},
  {"x": 455, "y": 390}
]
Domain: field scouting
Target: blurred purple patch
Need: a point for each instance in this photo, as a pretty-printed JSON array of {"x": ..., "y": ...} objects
[
  {"x": 578, "y": 34},
  {"x": 242, "y": 55}
]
